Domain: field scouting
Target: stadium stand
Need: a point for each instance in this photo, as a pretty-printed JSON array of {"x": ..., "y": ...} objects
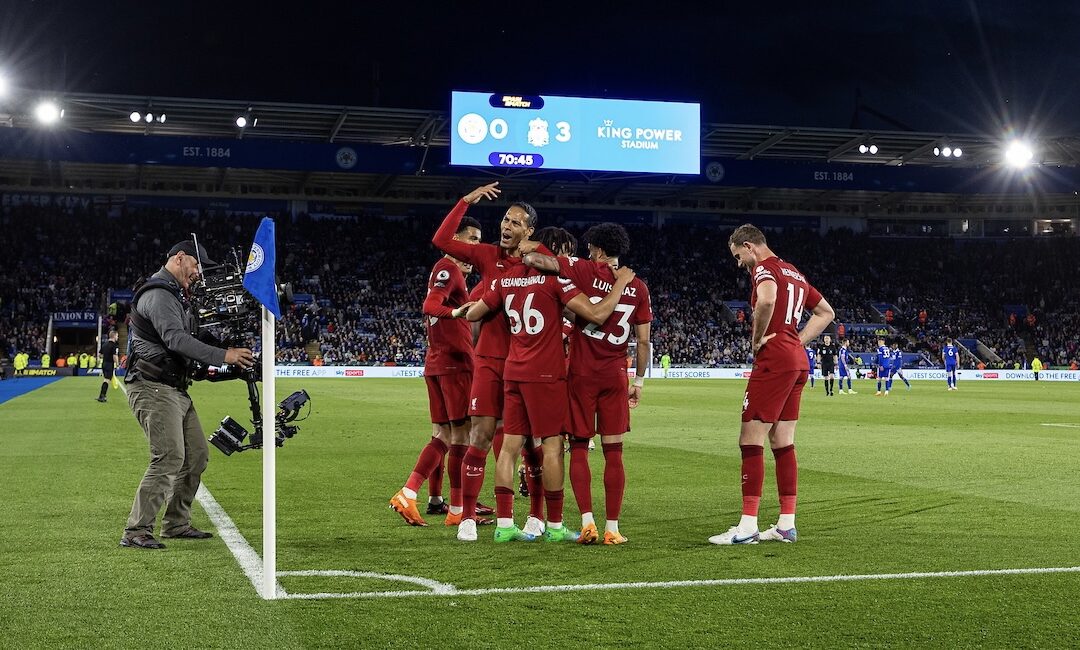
[{"x": 366, "y": 279}]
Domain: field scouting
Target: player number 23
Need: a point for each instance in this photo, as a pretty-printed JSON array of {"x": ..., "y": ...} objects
[{"x": 624, "y": 312}]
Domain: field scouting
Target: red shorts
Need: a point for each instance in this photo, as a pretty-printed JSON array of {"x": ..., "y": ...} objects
[
  {"x": 772, "y": 396},
  {"x": 599, "y": 405},
  {"x": 448, "y": 396},
  {"x": 486, "y": 395},
  {"x": 538, "y": 409}
]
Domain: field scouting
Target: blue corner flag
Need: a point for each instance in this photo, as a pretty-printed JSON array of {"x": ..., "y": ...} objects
[{"x": 260, "y": 276}]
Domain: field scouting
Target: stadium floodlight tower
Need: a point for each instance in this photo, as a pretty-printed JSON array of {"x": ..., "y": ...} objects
[{"x": 1019, "y": 154}]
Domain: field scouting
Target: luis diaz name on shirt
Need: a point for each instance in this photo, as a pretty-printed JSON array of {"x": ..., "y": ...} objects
[{"x": 606, "y": 287}]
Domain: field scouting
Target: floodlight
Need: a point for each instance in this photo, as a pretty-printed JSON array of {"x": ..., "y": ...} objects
[
  {"x": 135, "y": 116},
  {"x": 241, "y": 121},
  {"x": 1019, "y": 154},
  {"x": 47, "y": 112}
]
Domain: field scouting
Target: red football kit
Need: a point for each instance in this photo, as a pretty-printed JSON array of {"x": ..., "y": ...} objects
[
  {"x": 535, "y": 373},
  {"x": 780, "y": 366},
  {"x": 599, "y": 401},
  {"x": 448, "y": 364},
  {"x": 490, "y": 261}
]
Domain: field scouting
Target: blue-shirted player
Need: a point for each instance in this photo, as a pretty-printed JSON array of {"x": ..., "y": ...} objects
[
  {"x": 883, "y": 364},
  {"x": 846, "y": 361},
  {"x": 897, "y": 367},
  {"x": 811, "y": 356},
  {"x": 951, "y": 358}
]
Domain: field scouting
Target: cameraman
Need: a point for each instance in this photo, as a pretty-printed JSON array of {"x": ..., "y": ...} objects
[{"x": 162, "y": 342}]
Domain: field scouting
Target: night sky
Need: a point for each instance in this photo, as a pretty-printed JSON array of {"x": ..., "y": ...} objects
[{"x": 939, "y": 65}]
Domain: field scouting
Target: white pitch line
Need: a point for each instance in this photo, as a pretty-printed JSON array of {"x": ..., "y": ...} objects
[
  {"x": 452, "y": 591},
  {"x": 245, "y": 555},
  {"x": 1061, "y": 424}
]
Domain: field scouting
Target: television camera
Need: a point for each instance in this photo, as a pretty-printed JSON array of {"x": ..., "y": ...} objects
[{"x": 229, "y": 316}]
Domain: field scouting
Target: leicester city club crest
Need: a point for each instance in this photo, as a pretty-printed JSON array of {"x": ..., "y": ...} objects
[
  {"x": 255, "y": 259},
  {"x": 346, "y": 158}
]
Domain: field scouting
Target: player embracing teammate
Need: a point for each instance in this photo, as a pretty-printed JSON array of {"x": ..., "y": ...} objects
[
  {"x": 600, "y": 400},
  {"x": 778, "y": 297},
  {"x": 536, "y": 403}
]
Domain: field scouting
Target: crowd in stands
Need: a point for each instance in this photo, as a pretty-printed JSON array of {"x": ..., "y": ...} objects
[{"x": 366, "y": 279}]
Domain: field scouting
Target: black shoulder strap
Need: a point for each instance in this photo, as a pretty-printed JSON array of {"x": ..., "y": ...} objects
[{"x": 142, "y": 326}]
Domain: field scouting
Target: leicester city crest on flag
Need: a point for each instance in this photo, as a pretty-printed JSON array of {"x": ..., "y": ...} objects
[{"x": 260, "y": 277}]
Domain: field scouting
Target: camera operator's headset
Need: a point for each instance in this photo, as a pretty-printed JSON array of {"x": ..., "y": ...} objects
[{"x": 172, "y": 369}]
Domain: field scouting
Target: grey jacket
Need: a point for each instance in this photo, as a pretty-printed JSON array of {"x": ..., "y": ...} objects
[{"x": 174, "y": 324}]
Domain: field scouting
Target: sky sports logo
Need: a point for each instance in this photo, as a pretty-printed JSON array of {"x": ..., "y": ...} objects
[{"x": 354, "y": 372}]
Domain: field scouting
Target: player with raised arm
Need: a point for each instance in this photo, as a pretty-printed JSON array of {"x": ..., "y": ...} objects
[
  {"x": 771, "y": 403},
  {"x": 950, "y": 357},
  {"x": 883, "y": 364},
  {"x": 845, "y": 360},
  {"x": 536, "y": 400},
  {"x": 486, "y": 392},
  {"x": 896, "y": 367},
  {"x": 600, "y": 400},
  {"x": 448, "y": 375}
]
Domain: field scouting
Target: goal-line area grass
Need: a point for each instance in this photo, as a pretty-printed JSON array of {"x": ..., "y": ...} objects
[{"x": 895, "y": 494}]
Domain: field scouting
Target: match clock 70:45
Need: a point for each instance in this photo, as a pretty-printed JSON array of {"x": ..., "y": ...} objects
[{"x": 502, "y": 159}]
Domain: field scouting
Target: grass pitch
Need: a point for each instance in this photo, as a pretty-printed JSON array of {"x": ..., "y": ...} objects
[{"x": 923, "y": 481}]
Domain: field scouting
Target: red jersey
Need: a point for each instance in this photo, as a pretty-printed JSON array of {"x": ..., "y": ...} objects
[
  {"x": 449, "y": 339},
  {"x": 490, "y": 262},
  {"x": 533, "y": 303},
  {"x": 793, "y": 294},
  {"x": 596, "y": 350}
]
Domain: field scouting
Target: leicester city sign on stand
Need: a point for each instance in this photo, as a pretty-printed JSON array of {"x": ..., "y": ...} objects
[{"x": 576, "y": 133}]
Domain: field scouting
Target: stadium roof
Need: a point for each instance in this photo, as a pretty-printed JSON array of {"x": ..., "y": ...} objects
[
  {"x": 395, "y": 126},
  {"x": 104, "y": 113}
]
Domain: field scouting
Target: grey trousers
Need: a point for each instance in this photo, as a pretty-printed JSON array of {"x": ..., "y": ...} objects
[{"x": 178, "y": 456}]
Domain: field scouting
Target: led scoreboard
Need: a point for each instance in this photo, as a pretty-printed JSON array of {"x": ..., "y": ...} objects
[{"x": 550, "y": 132}]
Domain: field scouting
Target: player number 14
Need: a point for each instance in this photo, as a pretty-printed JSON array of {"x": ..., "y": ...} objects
[{"x": 795, "y": 307}]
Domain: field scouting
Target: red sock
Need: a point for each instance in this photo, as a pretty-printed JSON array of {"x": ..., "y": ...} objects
[
  {"x": 496, "y": 442},
  {"x": 534, "y": 476},
  {"x": 431, "y": 456},
  {"x": 753, "y": 474},
  {"x": 580, "y": 475},
  {"x": 435, "y": 480},
  {"x": 453, "y": 468},
  {"x": 504, "y": 503},
  {"x": 787, "y": 478},
  {"x": 472, "y": 479},
  {"x": 554, "y": 499},
  {"x": 614, "y": 480}
]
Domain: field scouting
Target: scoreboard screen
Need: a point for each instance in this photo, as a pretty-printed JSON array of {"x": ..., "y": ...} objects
[{"x": 551, "y": 132}]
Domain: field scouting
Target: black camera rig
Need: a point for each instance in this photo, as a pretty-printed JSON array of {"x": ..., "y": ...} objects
[{"x": 228, "y": 315}]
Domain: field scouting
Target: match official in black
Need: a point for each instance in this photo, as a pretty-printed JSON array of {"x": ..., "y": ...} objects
[
  {"x": 163, "y": 330},
  {"x": 110, "y": 353}
]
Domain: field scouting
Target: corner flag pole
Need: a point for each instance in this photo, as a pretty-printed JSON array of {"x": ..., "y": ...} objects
[{"x": 269, "y": 436}]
